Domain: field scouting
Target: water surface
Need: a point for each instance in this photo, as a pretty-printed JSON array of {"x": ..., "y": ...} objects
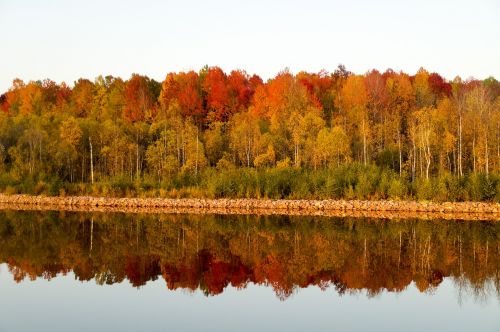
[{"x": 96, "y": 271}]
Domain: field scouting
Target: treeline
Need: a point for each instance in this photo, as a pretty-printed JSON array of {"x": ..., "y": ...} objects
[
  {"x": 213, "y": 134},
  {"x": 287, "y": 253}
]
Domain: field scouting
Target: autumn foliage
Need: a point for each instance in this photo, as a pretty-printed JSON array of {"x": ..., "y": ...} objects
[
  {"x": 195, "y": 128},
  {"x": 211, "y": 253}
]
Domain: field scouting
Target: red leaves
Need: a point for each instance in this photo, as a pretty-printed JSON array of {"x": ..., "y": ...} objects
[
  {"x": 439, "y": 86},
  {"x": 211, "y": 96},
  {"x": 184, "y": 89},
  {"x": 318, "y": 85},
  {"x": 239, "y": 90},
  {"x": 138, "y": 98},
  {"x": 4, "y": 105},
  {"x": 217, "y": 94}
]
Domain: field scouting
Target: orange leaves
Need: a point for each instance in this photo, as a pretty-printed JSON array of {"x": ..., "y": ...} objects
[
  {"x": 400, "y": 90},
  {"x": 183, "y": 88},
  {"x": 354, "y": 93},
  {"x": 211, "y": 96},
  {"x": 82, "y": 97},
  {"x": 282, "y": 95},
  {"x": 217, "y": 94},
  {"x": 138, "y": 98}
]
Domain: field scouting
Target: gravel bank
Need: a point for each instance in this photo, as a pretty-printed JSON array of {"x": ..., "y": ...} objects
[{"x": 341, "y": 208}]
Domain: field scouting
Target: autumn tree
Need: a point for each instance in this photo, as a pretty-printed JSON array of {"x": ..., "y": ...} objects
[
  {"x": 401, "y": 100},
  {"x": 479, "y": 113},
  {"x": 217, "y": 94},
  {"x": 244, "y": 135},
  {"x": 138, "y": 98},
  {"x": 215, "y": 141},
  {"x": 353, "y": 102},
  {"x": 184, "y": 89},
  {"x": 332, "y": 147},
  {"x": 70, "y": 135},
  {"x": 124, "y": 136},
  {"x": 82, "y": 98}
]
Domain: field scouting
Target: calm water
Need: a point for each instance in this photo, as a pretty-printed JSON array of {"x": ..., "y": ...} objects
[{"x": 94, "y": 272}]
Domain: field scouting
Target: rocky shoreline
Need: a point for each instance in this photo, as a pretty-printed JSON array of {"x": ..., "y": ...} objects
[{"x": 339, "y": 208}]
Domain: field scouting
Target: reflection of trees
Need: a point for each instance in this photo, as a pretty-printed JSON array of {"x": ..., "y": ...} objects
[{"x": 287, "y": 253}]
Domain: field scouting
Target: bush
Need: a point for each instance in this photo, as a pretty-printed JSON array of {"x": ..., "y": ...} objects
[
  {"x": 397, "y": 189},
  {"x": 482, "y": 187},
  {"x": 279, "y": 182},
  {"x": 423, "y": 189},
  {"x": 349, "y": 181},
  {"x": 55, "y": 186}
]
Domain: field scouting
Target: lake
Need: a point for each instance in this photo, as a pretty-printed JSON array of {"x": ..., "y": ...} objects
[{"x": 63, "y": 271}]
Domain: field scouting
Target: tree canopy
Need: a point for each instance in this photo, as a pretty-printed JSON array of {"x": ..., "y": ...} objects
[{"x": 171, "y": 134}]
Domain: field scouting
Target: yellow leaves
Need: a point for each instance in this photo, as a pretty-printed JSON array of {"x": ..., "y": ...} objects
[
  {"x": 266, "y": 159},
  {"x": 244, "y": 135},
  {"x": 332, "y": 147},
  {"x": 215, "y": 142},
  {"x": 284, "y": 163},
  {"x": 423, "y": 125},
  {"x": 70, "y": 131},
  {"x": 448, "y": 142},
  {"x": 312, "y": 122},
  {"x": 423, "y": 94}
]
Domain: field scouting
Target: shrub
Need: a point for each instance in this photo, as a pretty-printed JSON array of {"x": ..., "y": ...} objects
[
  {"x": 278, "y": 182},
  {"x": 423, "y": 189},
  {"x": 397, "y": 189}
]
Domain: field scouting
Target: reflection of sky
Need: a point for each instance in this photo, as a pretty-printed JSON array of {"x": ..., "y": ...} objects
[{"x": 66, "y": 304}]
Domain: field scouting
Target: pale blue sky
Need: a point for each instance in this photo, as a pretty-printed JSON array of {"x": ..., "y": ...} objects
[{"x": 66, "y": 40}]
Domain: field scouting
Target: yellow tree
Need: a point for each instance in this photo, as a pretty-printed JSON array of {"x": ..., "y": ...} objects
[
  {"x": 423, "y": 136},
  {"x": 215, "y": 142},
  {"x": 423, "y": 93},
  {"x": 332, "y": 147},
  {"x": 161, "y": 155},
  {"x": 266, "y": 159},
  {"x": 353, "y": 101},
  {"x": 193, "y": 149},
  {"x": 445, "y": 134},
  {"x": 305, "y": 134},
  {"x": 400, "y": 102},
  {"x": 244, "y": 135},
  {"x": 479, "y": 108},
  {"x": 283, "y": 103},
  {"x": 70, "y": 134}
]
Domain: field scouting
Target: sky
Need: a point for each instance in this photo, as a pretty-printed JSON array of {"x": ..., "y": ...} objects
[{"x": 67, "y": 40}]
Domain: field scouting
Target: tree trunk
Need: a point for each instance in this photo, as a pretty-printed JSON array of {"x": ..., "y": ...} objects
[
  {"x": 428, "y": 160},
  {"x": 196, "y": 168},
  {"x": 460, "y": 172},
  {"x": 91, "y": 162},
  {"x": 137, "y": 155},
  {"x": 400, "y": 154},
  {"x": 364, "y": 143},
  {"x": 486, "y": 157}
]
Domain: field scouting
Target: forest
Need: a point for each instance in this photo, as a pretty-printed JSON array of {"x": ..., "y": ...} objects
[
  {"x": 380, "y": 135},
  {"x": 213, "y": 252}
]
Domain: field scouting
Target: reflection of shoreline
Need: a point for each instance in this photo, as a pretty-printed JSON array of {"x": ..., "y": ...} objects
[
  {"x": 332, "y": 208},
  {"x": 211, "y": 252},
  {"x": 464, "y": 289}
]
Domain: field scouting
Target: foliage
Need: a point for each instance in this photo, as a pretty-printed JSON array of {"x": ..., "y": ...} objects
[
  {"x": 211, "y": 252},
  {"x": 208, "y": 133}
]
